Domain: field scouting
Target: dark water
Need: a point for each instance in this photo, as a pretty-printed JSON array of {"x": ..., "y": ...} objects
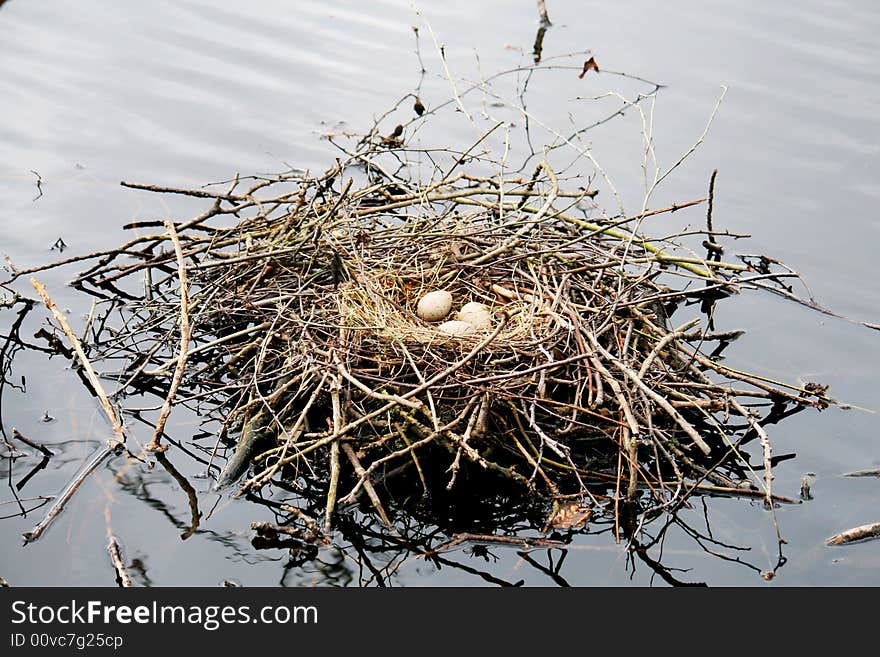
[{"x": 185, "y": 93}]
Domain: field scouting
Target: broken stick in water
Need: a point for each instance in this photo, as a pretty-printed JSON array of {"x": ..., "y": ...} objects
[
  {"x": 115, "y": 551},
  {"x": 861, "y": 533},
  {"x": 113, "y": 445}
]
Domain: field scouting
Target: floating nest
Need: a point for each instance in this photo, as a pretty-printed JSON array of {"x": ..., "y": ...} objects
[{"x": 286, "y": 315}]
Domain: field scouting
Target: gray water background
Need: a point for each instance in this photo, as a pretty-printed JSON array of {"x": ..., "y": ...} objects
[{"x": 185, "y": 93}]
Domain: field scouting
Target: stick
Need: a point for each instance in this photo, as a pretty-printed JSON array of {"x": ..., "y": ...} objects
[
  {"x": 765, "y": 450},
  {"x": 542, "y": 12},
  {"x": 115, "y": 551},
  {"x": 58, "y": 505},
  {"x": 442, "y": 52},
  {"x": 185, "y": 335},
  {"x": 198, "y": 193},
  {"x": 334, "y": 484},
  {"x": 118, "y": 431},
  {"x": 27, "y": 441},
  {"x": 859, "y": 473},
  {"x": 860, "y": 533},
  {"x": 371, "y": 492},
  {"x": 99, "y": 457},
  {"x": 334, "y": 453},
  {"x": 664, "y": 342},
  {"x": 712, "y": 246}
]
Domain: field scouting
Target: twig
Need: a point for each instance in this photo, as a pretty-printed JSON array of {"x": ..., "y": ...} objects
[
  {"x": 39, "y": 184},
  {"x": 371, "y": 492},
  {"x": 185, "y": 336},
  {"x": 863, "y": 473},
  {"x": 64, "y": 497},
  {"x": 542, "y": 12},
  {"x": 442, "y": 52},
  {"x": 198, "y": 193},
  {"x": 27, "y": 441},
  {"x": 663, "y": 343},
  {"x": 334, "y": 453},
  {"x": 715, "y": 250},
  {"x": 860, "y": 533},
  {"x": 191, "y": 496},
  {"x": 112, "y": 445},
  {"x": 118, "y": 431},
  {"x": 115, "y": 551}
]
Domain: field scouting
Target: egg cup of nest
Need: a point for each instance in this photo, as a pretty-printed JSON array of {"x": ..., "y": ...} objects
[
  {"x": 471, "y": 318},
  {"x": 434, "y": 315}
]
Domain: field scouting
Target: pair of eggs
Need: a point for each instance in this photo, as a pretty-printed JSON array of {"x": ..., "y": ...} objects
[{"x": 472, "y": 317}]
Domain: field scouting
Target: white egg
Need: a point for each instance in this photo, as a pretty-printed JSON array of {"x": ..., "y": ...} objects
[
  {"x": 471, "y": 306},
  {"x": 476, "y": 314},
  {"x": 434, "y": 306},
  {"x": 456, "y": 327}
]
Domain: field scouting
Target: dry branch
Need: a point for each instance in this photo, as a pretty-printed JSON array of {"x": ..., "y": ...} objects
[
  {"x": 861, "y": 533},
  {"x": 98, "y": 389},
  {"x": 115, "y": 552},
  {"x": 185, "y": 336}
]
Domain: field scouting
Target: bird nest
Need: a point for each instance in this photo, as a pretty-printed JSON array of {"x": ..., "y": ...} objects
[
  {"x": 301, "y": 338},
  {"x": 286, "y": 316}
]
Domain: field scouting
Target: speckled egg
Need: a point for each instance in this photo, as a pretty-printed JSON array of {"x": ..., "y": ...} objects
[
  {"x": 434, "y": 306},
  {"x": 476, "y": 314},
  {"x": 456, "y": 327}
]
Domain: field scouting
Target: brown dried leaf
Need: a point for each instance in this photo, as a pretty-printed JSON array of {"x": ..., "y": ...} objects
[
  {"x": 589, "y": 65},
  {"x": 569, "y": 514}
]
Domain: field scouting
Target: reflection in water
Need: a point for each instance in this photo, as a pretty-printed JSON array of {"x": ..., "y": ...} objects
[
  {"x": 366, "y": 552},
  {"x": 191, "y": 496},
  {"x": 26, "y": 505},
  {"x": 142, "y": 484}
]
